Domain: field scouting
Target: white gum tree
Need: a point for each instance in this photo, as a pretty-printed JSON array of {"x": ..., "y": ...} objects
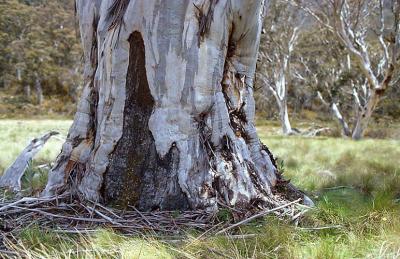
[
  {"x": 370, "y": 32},
  {"x": 283, "y": 28},
  {"x": 166, "y": 117}
]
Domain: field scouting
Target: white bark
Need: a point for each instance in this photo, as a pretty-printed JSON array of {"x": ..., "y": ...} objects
[
  {"x": 356, "y": 45},
  {"x": 338, "y": 115},
  {"x": 352, "y": 22},
  {"x": 284, "y": 117},
  {"x": 334, "y": 107},
  {"x": 12, "y": 176},
  {"x": 364, "y": 115},
  {"x": 280, "y": 91},
  {"x": 197, "y": 82},
  {"x": 277, "y": 80}
]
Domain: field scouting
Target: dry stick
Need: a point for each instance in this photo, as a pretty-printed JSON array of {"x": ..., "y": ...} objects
[
  {"x": 243, "y": 236},
  {"x": 105, "y": 217},
  {"x": 226, "y": 206},
  {"x": 338, "y": 187},
  {"x": 301, "y": 213},
  {"x": 30, "y": 200},
  {"x": 106, "y": 209},
  {"x": 161, "y": 221},
  {"x": 207, "y": 231},
  {"x": 25, "y": 199},
  {"x": 145, "y": 219},
  {"x": 5, "y": 252},
  {"x": 218, "y": 253},
  {"x": 261, "y": 214},
  {"x": 321, "y": 228},
  {"x": 74, "y": 231},
  {"x": 60, "y": 216}
]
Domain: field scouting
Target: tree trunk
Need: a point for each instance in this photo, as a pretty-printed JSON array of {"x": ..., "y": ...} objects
[
  {"x": 338, "y": 115},
  {"x": 364, "y": 116},
  {"x": 27, "y": 91},
  {"x": 39, "y": 91},
  {"x": 284, "y": 117},
  {"x": 166, "y": 118}
]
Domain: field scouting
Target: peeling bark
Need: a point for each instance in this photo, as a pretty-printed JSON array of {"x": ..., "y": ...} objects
[{"x": 166, "y": 120}]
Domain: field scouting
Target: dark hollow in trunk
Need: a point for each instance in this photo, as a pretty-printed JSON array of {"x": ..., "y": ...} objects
[{"x": 137, "y": 176}]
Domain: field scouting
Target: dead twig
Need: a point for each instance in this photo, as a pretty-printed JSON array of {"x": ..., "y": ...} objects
[
  {"x": 320, "y": 228},
  {"x": 259, "y": 215}
]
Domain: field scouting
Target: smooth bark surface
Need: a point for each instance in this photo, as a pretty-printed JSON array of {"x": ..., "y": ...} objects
[
  {"x": 166, "y": 118},
  {"x": 338, "y": 115},
  {"x": 284, "y": 116}
]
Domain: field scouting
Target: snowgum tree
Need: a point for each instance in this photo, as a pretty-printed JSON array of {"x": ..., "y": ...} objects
[
  {"x": 368, "y": 30},
  {"x": 166, "y": 117},
  {"x": 276, "y": 55}
]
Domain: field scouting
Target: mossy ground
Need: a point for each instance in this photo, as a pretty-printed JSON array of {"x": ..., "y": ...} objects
[{"x": 356, "y": 186}]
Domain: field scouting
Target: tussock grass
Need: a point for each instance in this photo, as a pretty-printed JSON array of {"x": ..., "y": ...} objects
[
  {"x": 356, "y": 187},
  {"x": 37, "y": 243}
]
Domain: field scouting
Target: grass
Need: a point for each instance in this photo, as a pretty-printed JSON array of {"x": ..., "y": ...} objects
[
  {"x": 356, "y": 186},
  {"x": 16, "y": 134}
]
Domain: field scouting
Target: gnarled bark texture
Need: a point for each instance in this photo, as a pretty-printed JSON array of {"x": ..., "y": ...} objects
[{"x": 166, "y": 118}]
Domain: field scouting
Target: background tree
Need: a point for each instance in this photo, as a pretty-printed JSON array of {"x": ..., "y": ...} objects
[
  {"x": 281, "y": 33},
  {"x": 39, "y": 48},
  {"x": 361, "y": 26},
  {"x": 327, "y": 77}
]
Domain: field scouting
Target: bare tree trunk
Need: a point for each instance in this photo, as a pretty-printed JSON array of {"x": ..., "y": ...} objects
[
  {"x": 166, "y": 118},
  {"x": 280, "y": 91},
  {"x": 364, "y": 116},
  {"x": 39, "y": 91},
  {"x": 284, "y": 117},
  {"x": 27, "y": 91},
  {"x": 334, "y": 108},
  {"x": 343, "y": 15},
  {"x": 338, "y": 115}
]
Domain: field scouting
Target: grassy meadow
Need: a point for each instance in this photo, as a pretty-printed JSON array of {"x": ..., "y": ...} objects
[{"x": 356, "y": 187}]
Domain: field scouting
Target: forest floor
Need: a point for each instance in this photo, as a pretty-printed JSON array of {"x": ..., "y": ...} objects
[{"x": 356, "y": 187}]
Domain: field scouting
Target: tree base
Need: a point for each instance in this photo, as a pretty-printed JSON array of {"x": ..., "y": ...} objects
[
  {"x": 166, "y": 120},
  {"x": 68, "y": 215}
]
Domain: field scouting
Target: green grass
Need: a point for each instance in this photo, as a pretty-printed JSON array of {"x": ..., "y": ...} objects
[
  {"x": 365, "y": 207},
  {"x": 16, "y": 134}
]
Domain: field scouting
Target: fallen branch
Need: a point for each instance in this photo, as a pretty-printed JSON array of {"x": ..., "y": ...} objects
[
  {"x": 315, "y": 132},
  {"x": 320, "y": 228},
  {"x": 12, "y": 176},
  {"x": 338, "y": 187}
]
